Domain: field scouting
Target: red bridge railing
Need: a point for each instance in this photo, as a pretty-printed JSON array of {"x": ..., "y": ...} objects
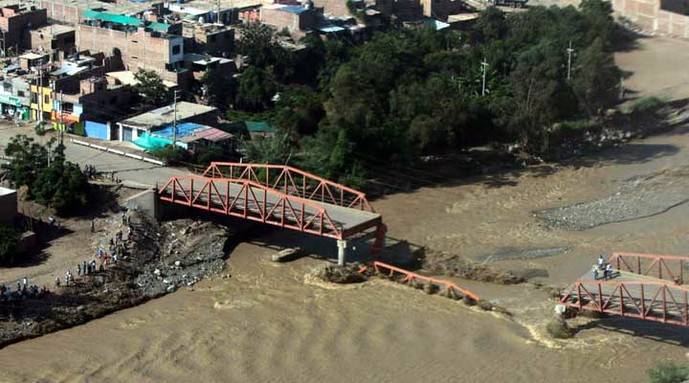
[
  {"x": 251, "y": 200},
  {"x": 647, "y": 300},
  {"x": 410, "y": 276},
  {"x": 291, "y": 181},
  {"x": 666, "y": 267}
]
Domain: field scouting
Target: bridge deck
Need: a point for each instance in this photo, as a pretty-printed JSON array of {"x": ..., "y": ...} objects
[{"x": 347, "y": 219}]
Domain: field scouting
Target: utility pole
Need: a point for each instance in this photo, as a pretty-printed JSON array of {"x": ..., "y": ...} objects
[
  {"x": 62, "y": 122},
  {"x": 174, "y": 121},
  {"x": 484, "y": 67},
  {"x": 569, "y": 61},
  {"x": 39, "y": 99}
]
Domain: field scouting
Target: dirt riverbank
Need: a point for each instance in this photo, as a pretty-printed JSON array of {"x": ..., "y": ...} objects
[{"x": 155, "y": 260}]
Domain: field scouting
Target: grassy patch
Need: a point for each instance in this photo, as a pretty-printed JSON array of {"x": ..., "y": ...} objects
[
  {"x": 668, "y": 372},
  {"x": 645, "y": 105}
]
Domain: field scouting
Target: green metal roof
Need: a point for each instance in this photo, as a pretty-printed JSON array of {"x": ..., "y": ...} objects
[
  {"x": 259, "y": 127},
  {"x": 124, "y": 20},
  {"x": 159, "y": 27},
  {"x": 111, "y": 17}
]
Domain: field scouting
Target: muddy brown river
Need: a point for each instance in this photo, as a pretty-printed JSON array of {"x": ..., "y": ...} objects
[{"x": 268, "y": 323}]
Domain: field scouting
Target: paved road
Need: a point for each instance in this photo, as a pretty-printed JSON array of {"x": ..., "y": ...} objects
[
  {"x": 127, "y": 169},
  {"x": 146, "y": 174}
]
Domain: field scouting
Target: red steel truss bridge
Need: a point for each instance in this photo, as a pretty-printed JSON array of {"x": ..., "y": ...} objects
[
  {"x": 280, "y": 196},
  {"x": 643, "y": 286}
]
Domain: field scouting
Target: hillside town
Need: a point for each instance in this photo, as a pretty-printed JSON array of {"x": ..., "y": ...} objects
[{"x": 72, "y": 65}]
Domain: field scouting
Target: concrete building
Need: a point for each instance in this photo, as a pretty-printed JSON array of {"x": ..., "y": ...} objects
[
  {"x": 16, "y": 23},
  {"x": 15, "y": 94},
  {"x": 199, "y": 64},
  {"x": 212, "y": 39},
  {"x": 202, "y": 12},
  {"x": 8, "y": 206},
  {"x": 95, "y": 101},
  {"x": 60, "y": 40},
  {"x": 296, "y": 19},
  {"x": 141, "y": 46},
  {"x": 333, "y": 8},
  {"x": 441, "y": 9},
  {"x": 31, "y": 61},
  {"x": 135, "y": 127},
  {"x": 70, "y": 11},
  {"x": 41, "y": 97}
]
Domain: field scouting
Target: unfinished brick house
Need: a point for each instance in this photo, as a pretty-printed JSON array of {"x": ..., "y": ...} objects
[
  {"x": 60, "y": 40},
  {"x": 16, "y": 23},
  {"x": 212, "y": 39},
  {"x": 665, "y": 17},
  {"x": 296, "y": 19}
]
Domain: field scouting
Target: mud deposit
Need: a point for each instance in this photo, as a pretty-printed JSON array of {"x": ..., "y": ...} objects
[
  {"x": 160, "y": 259},
  {"x": 638, "y": 197}
]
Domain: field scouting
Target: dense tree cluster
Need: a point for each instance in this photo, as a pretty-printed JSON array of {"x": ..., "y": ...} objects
[
  {"x": 408, "y": 93},
  {"x": 52, "y": 180}
]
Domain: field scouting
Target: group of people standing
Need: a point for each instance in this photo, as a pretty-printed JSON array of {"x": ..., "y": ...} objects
[
  {"x": 602, "y": 267},
  {"x": 102, "y": 259},
  {"x": 24, "y": 290}
]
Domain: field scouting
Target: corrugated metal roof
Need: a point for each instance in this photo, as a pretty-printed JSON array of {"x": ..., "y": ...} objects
[
  {"x": 124, "y": 20},
  {"x": 212, "y": 134},
  {"x": 112, "y": 17},
  {"x": 259, "y": 127}
]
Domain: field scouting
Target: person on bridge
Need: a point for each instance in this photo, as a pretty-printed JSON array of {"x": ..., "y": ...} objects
[
  {"x": 608, "y": 271},
  {"x": 601, "y": 262},
  {"x": 594, "y": 272}
]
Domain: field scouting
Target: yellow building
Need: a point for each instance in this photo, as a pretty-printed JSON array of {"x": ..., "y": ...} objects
[{"x": 41, "y": 102}]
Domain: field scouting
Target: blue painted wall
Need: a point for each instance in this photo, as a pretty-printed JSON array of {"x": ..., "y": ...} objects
[{"x": 96, "y": 130}]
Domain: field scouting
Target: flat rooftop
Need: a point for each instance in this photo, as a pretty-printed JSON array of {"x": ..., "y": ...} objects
[
  {"x": 54, "y": 29},
  {"x": 166, "y": 115}
]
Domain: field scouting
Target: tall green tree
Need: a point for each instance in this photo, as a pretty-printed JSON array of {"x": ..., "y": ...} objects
[
  {"x": 258, "y": 42},
  {"x": 256, "y": 89},
  {"x": 298, "y": 110},
  {"x": 62, "y": 185},
  {"x": 28, "y": 159},
  {"x": 217, "y": 88},
  {"x": 9, "y": 245},
  {"x": 596, "y": 79},
  {"x": 275, "y": 149},
  {"x": 540, "y": 95},
  {"x": 151, "y": 88}
]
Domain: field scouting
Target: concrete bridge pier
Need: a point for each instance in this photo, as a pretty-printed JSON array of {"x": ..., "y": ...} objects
[{"x": 341, "y": 252}]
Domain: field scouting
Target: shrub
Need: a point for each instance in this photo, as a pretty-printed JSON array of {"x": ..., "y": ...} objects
[
  {"x": 668, "y": 372},
  {"x": 171, "y": 155},
  {"x": 9, "y": 245},
  {"x": 645, "y": 105}
]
